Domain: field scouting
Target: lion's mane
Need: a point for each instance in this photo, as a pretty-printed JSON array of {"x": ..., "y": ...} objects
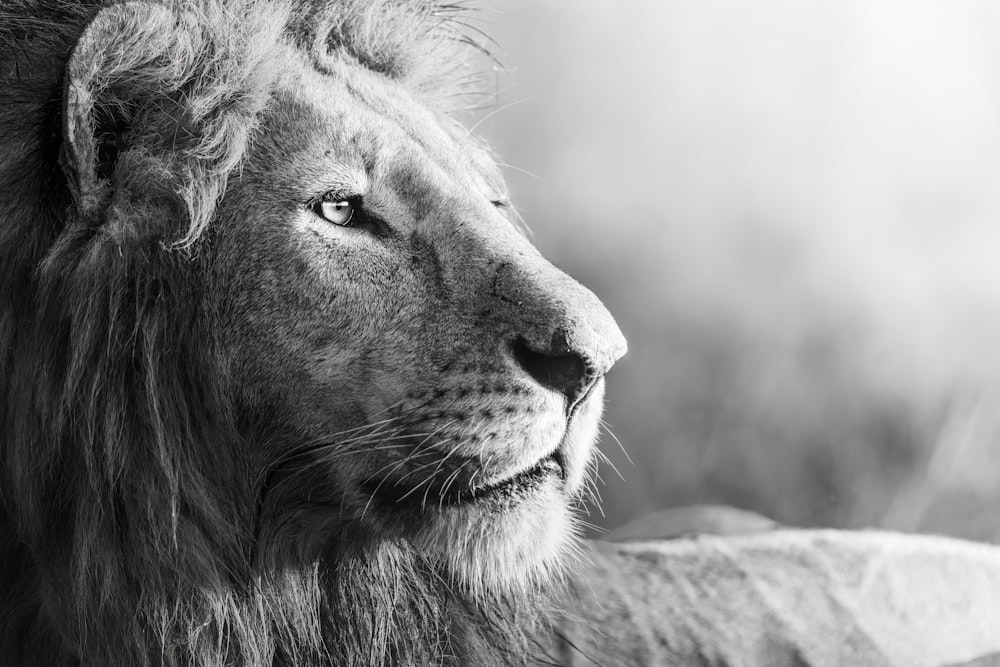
[{"x": 121, "y": 541}]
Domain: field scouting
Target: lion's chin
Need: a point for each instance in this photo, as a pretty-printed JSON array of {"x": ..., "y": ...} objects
[{"x": 487, "y": 549}]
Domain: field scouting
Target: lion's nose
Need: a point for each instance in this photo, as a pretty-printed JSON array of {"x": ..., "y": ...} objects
[
  {"x": 539, "y": 320},
  {"x": 565, "y": 339},
  {"x": 558, "y": 367}
]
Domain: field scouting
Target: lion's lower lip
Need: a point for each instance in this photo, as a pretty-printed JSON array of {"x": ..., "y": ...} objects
[
  {"x": 550, "y": 465},
  {"x": 454, "y": 494}
]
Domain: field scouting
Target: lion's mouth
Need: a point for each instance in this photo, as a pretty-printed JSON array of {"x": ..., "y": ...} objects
[
  {"x": 523, "y": 481},
  {"x": 443, "y": 494}
]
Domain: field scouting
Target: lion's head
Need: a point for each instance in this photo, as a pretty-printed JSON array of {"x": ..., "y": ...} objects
[{"x": 280, "y": 378}]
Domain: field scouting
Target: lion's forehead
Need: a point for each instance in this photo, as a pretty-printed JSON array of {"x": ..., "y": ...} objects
[{"x": 357, "y": 131}]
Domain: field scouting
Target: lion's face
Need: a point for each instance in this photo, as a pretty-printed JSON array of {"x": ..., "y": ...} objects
[{"x": 440, "y": 381}]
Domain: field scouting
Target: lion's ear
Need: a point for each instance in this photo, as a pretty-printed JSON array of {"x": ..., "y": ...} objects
[{"x": 117, "y": 63}]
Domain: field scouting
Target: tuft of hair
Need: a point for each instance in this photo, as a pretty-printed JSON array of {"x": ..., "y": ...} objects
[
  {"x": 431, "y": 46},
  {"x": 123, "y": 538}
]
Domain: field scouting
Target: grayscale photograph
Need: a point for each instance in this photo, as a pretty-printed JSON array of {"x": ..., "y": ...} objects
[{"x": 496, "y": 333}]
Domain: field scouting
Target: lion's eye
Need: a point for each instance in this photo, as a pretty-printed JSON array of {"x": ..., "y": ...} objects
[{"x": 339, "y": 212}]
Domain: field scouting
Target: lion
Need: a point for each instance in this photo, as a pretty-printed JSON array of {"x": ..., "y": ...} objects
[{"x": 284, "y": 382}]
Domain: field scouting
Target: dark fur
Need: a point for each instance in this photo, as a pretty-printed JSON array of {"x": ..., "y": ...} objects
[{"x": 128, "y": 529}]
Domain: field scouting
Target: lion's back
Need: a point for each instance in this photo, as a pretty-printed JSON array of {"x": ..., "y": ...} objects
[{"x": 788, "y": 597}]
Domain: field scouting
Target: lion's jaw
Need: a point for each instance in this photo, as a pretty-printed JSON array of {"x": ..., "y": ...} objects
[
  {"x": 419, "y": 357},
  {"x": 525, "y": 539}
]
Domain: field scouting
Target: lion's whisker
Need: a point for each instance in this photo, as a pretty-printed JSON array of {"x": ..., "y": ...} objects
[
  {"x": 329, "y": 450},
  {"x": 414, "y": 453},
  {"x": 591, "y": 495},
  {"x": 369, "y": 425},
  {"x": 604, "y": 457},
  {"x": 449, "y": 481},
  {"x": 412, "y": 490},
  {"x": 435, "y": 445},
  {"x": 488, "y": 461},
  {"x": 333, "y": 454},
  {"x": 391, "y": 468},
  {"x": 592, "y": 526},
  {"x": 499, "y": 109},
  {"x": 327, "y": 457},
  {"x": 458, "y": 445},
  {"x": 447, "y": 485},
  {"x": 424, "y": 466},
  {"x": 405, "y": 460},
  {"x": 304, "y": 448},
  {"x": 607, "y": 427}
]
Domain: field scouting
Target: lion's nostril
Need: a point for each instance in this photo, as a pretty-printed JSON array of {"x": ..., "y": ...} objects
[{"x": 562, "y": 371}]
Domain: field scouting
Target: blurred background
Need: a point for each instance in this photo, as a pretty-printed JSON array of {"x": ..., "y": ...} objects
[{"x": 793, "y": 209}]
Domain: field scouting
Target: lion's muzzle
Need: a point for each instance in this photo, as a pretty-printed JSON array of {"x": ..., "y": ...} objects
[{"x": 565, "y": 338}]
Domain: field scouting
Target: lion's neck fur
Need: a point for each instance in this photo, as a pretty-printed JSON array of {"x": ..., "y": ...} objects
[{"x": 383, "y": 606}]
